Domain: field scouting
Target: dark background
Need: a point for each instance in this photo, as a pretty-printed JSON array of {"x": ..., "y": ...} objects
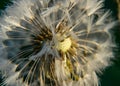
[{"x": 111, "y": 75}]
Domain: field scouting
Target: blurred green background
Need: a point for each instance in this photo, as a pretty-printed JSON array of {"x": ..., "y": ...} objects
[{"x": 111, "y": 75}]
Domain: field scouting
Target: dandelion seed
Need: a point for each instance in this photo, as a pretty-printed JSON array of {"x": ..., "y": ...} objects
[{"x": 55, "y": 42}]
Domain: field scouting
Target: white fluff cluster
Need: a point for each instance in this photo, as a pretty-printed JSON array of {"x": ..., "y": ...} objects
[{"x": 55, "y": 42}]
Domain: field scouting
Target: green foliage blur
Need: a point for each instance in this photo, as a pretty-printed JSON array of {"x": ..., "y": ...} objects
[
  {"x": 4, "y": 3},
  {"x": 111, "y": 75}
]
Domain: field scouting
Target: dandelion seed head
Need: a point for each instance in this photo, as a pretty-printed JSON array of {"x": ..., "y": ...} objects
[{"x": 55, "y": 42}]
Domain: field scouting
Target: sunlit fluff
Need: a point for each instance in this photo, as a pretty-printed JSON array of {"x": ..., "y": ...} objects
[{"x": 55, "y": 42}]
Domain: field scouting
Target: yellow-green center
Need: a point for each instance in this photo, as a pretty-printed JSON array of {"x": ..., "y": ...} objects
[{"x": 64, "y": 45}]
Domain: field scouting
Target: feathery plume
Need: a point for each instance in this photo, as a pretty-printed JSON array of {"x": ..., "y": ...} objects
[{"x": 55, "y": 42}]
